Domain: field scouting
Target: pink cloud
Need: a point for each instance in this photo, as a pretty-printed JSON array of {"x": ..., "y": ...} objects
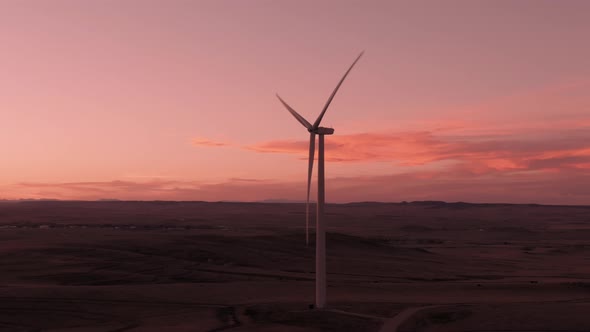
[
  {"x": 536, "y": 186},
  {"x": 207, "y": 142},
  {"x": 238, "y": 189}
]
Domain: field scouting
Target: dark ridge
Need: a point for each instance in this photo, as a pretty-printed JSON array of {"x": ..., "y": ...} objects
[{"x": 434, "y": 204}]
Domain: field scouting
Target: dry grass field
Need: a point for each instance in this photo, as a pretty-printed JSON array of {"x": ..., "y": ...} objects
[{"x": 196, "y": 266}]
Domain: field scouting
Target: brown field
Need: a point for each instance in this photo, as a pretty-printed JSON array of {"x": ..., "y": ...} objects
[{"x": 195, "y": 266}]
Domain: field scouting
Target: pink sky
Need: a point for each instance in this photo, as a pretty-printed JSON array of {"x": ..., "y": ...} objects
[{"x": 483, "y": 101}]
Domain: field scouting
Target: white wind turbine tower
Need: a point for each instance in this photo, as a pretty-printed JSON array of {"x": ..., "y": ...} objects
[{"x": 320, "y": 244}]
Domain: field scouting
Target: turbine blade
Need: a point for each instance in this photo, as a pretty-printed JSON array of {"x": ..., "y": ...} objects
[
  {"x": 319, "y": 119},
  {"x": 309, "y": 171},
  {"x": 299, "y": 118}
]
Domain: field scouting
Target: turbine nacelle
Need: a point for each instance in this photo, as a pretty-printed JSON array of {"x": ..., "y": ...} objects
[{"x": 322, "y": 131}]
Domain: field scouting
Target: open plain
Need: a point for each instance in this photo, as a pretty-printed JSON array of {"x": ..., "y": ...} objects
[{"x": 198, "y": 266}]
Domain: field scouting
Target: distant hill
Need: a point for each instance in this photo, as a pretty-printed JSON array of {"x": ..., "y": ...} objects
[{"x": 282, "y": 200}]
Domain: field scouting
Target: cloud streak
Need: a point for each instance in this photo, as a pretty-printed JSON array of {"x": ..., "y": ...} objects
[
  {"x": 551, "y": 149},
  {"x": 207, "y": 142}
]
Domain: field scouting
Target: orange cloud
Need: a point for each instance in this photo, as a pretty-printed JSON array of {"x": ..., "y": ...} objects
[
  {"x": 364, "y": 147},
  {"x": 509, "y": 151}
]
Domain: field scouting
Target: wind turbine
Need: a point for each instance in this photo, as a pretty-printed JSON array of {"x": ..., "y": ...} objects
[{"x": 320, "y": 244}]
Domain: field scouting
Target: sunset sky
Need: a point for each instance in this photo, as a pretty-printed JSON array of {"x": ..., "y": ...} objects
[{"x": 480, "y": 101}]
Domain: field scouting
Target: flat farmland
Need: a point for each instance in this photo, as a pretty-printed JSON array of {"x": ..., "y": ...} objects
[{"x": 198, "y": 266}]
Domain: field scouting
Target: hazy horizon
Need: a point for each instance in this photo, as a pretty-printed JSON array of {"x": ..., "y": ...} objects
[{"x": 287, "y": 201}]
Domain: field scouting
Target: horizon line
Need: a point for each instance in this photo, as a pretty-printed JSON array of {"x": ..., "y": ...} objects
[{"x": 281, "y": 201}]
